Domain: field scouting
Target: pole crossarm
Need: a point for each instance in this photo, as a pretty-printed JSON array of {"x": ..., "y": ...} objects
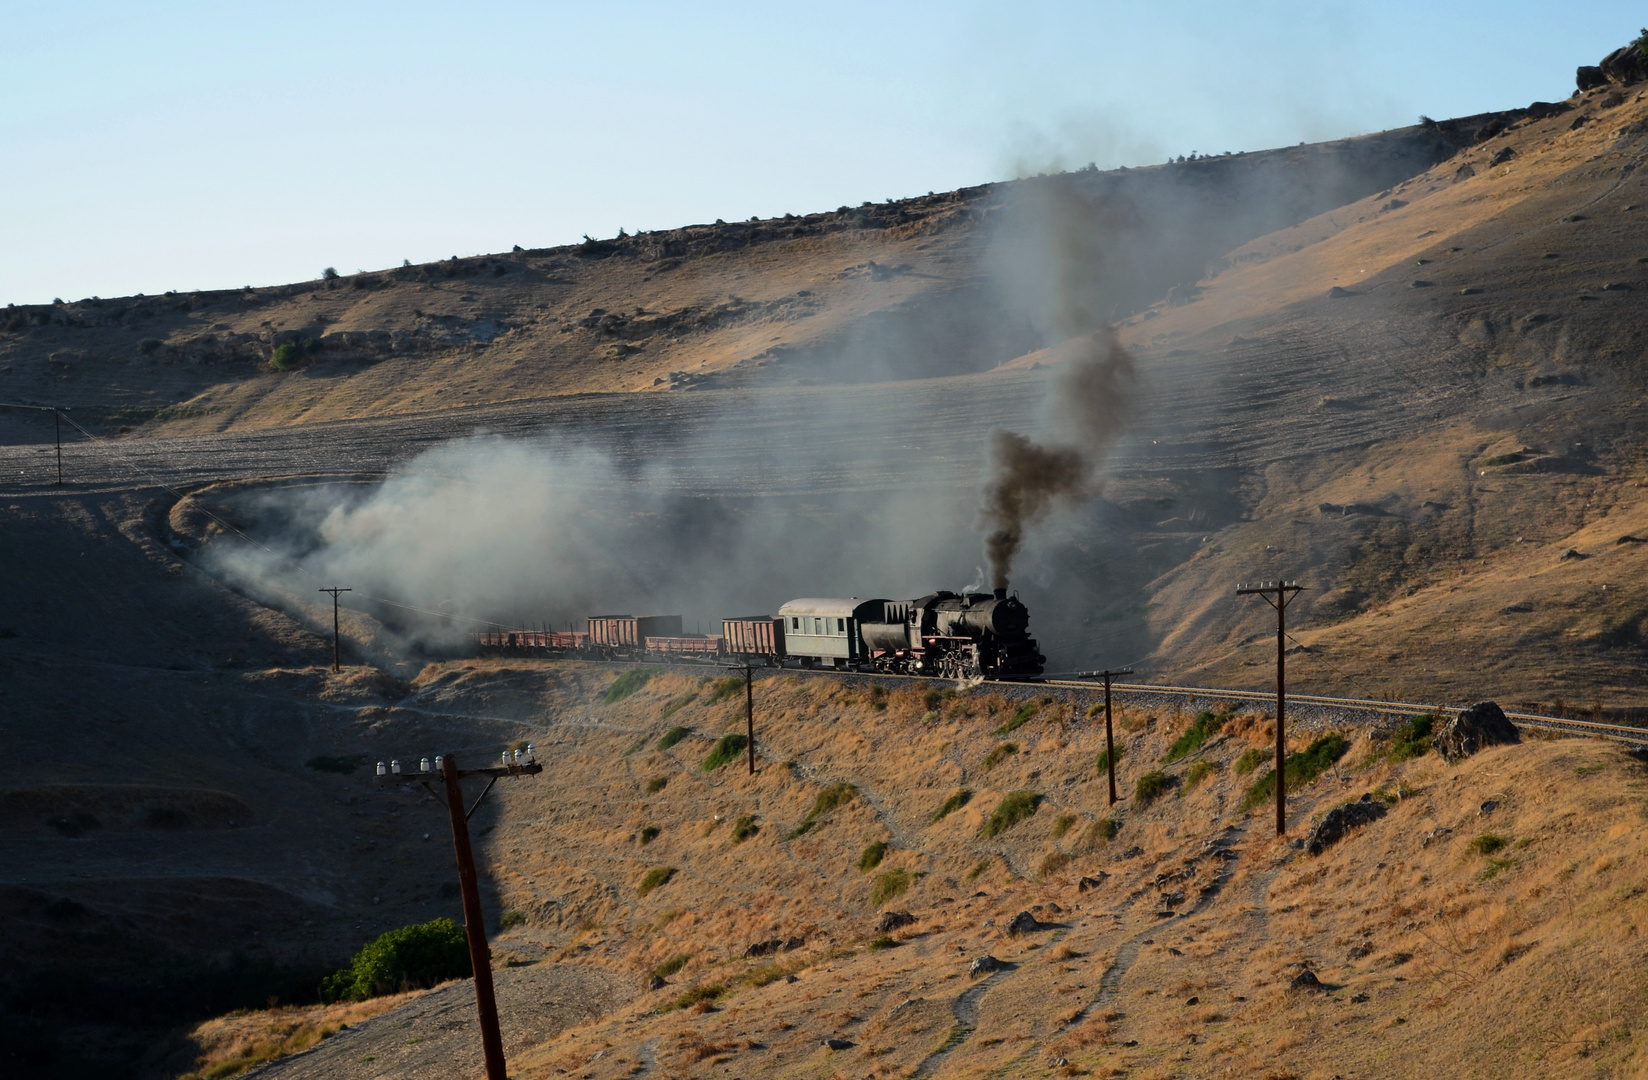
[{"x": 415, "y": 777}]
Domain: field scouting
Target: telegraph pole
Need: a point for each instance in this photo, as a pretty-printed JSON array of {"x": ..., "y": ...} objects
[
  {"x": 749, "y": 708},
  {"x": 1284, "y": 592},
  {"x": 57, "y": 429},
  {"x": 480, "y": 957},
  {"x": 337, "y": 664},
  {"x": 1109, "y": 737}
]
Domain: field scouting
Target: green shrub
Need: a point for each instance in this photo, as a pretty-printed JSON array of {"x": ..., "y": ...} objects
[
  {"x": 697, "y": 994},
  {"x": 413, "y": 956},
  {"x": 882, "y": 943},
  {"x": 649, "y": 834},
  {"x": 722, "y": 689},
  {"x": 955, "y": 802},
  {"x": 1052, "y": 863},
  {"x": 1413, "y": 739},
  {"x": 999, "y": 755},
  {"x": 626, "y": 684},
  {"x": 1151, "y": 786},
  {"x": 878, "y": 697},
  {"x": 1101, "y": 831},
  {"x": 511, "y": 919},
  {"x": 872, "y": 856},
  {"x": 672, "y": 965},
  {"x": 330, "y": 273},
  {"x": 1104, "y": 760},
  {"x": 1200, "y": 771},
  {"x": 1205, "y": 727},
  {"x": 727, "y": 749},
  {"x": 983, "y": 865},
  {"x": 931, "y": 698},
  {"x": 677, "y": 705},
  {"x": 344, "y": 764},
  {"x": 1023, "y": 716},
  {"x": 1299, "y": 770},
  {"x": 888, "y": 884},
  {"x": 656, "y": 784},
  {"x": 1488, "y": 843},
  {"x": 673, "y": 736},
  {"x": 1015, "y": 807},
  {"x": 286, "y": 357},
  {"x": 831, "y": 798},
  {"x": 1252, "y": 758},
  {"x": 744, "y": 828},
  {"x": 658, "y": 875},
  {"x": 1062, "y": 825}
]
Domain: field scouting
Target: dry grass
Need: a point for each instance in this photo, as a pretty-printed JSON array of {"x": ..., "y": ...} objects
[{"x": 230, "y": 1045}]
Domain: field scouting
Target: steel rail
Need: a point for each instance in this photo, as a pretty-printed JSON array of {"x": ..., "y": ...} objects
[{"x": 1400, "y": 708}]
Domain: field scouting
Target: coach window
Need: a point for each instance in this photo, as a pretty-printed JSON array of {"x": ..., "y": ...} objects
[
  {"x": 841, "y": 626},
  {"x": 795, "y": 624}
]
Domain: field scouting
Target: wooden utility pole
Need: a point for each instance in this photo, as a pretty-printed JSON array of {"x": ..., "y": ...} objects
[
  {"x": 749, "y": 709},
  {"x": 337, "y": 663},
  {"x": 1284, "y": 592},
  {"x": 480, "y": 957},
  {"x": 1109, "y": 736},
  {"x": 57, "y": 430}
]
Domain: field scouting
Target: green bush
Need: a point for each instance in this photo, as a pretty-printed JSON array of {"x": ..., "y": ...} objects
[
  {"x": 955, "y": 802},
  {"x": 1198, "y": 772},
  {"x": 1052, "y": 863},
  {"x": 872, "y": 856},
  {"x": 649, "y": 834},
  {"x": 722, "y": 689},
  {"x": 699, "y": 994},
  {"x": 831, "y": 798},
  {"x": 413, "y": 956},
  {"x": 981, "y": 867},
  {"x": 999, "y": 755},
  {"x": 727, "y": 749},
  {"x": 1104, "y": 760},
  {"x": 673, "y": 736},
  {"x": 931, "y": 698},
  {"x": 1062, "y": 825},
  {"x": 1488, "y": 843},
  {"x": 656, "y": 784},
  {"x": 1413, "y": 739},
  {"x": 1025, "y": 712},
  {"x": 1252, "y": 758},
  {"x": 882, "y": 943},
  {"x": 343, "y": 764},
  {"x": 626, "y": 684},
  {"x": 1205, "y": 727},
  {"x": 1014, "y": 807},
  {"x": 888, "y": 884},
  {"x": 286, "y": 357},
  {"x": 1101, "y": 831},
  {"x": 1299, "y": 769},
  {"x": 672, "y": 965},
  {"x": 511, "y": 919},
  {"x": 744, "y": 828},
  {"x": 1151, "y": 786},
  {"x": 658, "y": 875},
  {"x": 677, "y": 705}
]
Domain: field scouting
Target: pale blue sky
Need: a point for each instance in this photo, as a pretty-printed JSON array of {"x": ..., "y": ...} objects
[{"x": 205, "y": 145}]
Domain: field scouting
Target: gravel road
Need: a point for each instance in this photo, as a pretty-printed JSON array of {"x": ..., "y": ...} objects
[{"x": 437, "y": 1037}]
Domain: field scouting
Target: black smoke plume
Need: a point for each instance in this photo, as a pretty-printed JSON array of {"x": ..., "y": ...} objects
[{"x": 1025, "y": 479}]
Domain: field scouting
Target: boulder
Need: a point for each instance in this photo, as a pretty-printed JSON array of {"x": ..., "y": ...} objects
[
  {"x": 1341, "y": 820},
  {"x": 764, "y": 948},
  {"x": 1024, "y": 923},
  {"x": 892, "y": 920},
  {"x": 984, "y": 965},
  {"x": 1505, "y": 154},
  {"x": 837, "y": 1044},
  {"x": 1589, "y": 77},
  {"x": 1625, "y": 65},
  {"x": 1091, "y": 882},
  {"x": 1479, "y": 726},
  {"x": 1306, "y": 980}
]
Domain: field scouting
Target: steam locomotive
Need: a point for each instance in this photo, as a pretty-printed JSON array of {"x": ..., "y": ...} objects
[{"x": 940, "y": 635}]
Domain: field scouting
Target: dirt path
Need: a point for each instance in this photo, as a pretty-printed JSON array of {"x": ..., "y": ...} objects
[{"x": 436, "y": 1037}]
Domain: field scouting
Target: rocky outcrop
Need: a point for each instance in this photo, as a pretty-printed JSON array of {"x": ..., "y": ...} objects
[
  {"x": 1024, "y": 923},
  {"x": 892, "y": 920},
  {"x": 1482, "y": 725},
  {"x": 984, "y": 965},
  {"x": 1341, "y": 820}
]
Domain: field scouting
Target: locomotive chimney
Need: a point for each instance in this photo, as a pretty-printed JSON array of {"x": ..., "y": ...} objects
[{"x": 1001, "y": 594}]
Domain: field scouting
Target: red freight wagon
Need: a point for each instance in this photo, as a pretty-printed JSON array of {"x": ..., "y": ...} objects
[
  {"x": 696, "y": 647},
  {"x": 553, "y": 640},
  {"x": 755, "y": 635},
  {"x": 631, "y": 631}
]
